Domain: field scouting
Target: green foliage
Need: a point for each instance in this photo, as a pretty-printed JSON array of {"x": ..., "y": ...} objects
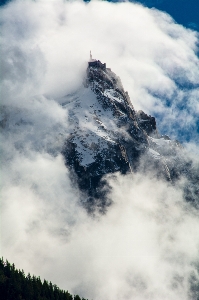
[{"x": 15, "y": 285}]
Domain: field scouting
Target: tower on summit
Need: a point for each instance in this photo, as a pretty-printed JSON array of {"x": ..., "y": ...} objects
[
  {"x": 91, "y": 56},
  {"x": 96, "y": 63}
]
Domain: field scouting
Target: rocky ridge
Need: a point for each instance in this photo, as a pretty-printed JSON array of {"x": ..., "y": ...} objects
[{"x": 108, "y": 135}]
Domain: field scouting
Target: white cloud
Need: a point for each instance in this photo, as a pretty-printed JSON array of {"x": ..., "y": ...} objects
[
  {"x": 151, "y": 53},
  {"x": 145, "y": 246}
]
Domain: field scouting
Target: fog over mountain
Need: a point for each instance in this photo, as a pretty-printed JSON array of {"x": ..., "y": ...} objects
[{"x": 146, "y": 244}]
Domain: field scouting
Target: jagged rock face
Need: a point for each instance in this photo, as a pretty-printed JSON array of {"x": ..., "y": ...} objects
[
  {"x": 147, "y": 123},
  {"x": 107, "y": 135}
]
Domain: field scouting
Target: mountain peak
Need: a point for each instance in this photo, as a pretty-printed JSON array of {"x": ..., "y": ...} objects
[
  {"x": 109, "y": 136},
  {"x": 96, "y": 64}
]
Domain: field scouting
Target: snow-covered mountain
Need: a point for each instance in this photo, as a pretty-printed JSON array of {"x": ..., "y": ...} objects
[
  {"x": 104, "y": 135},
  {"x": 108, "y": 135}
]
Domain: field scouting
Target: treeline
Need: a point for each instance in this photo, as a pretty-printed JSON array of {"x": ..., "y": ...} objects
[{"x": 15, "y": 285}]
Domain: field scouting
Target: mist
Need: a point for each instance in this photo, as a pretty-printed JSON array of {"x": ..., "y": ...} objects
[{"x": 146, "y": 246}]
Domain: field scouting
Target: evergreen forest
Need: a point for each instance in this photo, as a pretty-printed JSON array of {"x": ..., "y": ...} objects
[{"x": 15, "y": 285}]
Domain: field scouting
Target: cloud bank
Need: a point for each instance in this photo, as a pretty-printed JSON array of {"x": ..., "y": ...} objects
[
  {"x": 46, "y": 46},
  {"x": 146, "y": 246}
]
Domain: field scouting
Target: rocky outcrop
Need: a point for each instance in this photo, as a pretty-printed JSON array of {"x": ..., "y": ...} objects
[{"x": 147, "y": 123}]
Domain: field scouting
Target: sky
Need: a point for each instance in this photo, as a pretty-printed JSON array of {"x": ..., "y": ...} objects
[
  {"x": 184, "y": 12},
  {"x": 146, "y": 245}
]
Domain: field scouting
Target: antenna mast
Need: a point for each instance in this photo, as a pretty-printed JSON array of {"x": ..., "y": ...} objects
[{"x": 91, "y": 56}]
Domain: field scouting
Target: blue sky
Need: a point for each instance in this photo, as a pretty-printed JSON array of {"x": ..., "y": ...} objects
[{"x": 185, "y": 12}]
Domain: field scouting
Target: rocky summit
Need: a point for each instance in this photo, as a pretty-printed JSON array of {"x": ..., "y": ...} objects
[{"x": 107, "y": 135}]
